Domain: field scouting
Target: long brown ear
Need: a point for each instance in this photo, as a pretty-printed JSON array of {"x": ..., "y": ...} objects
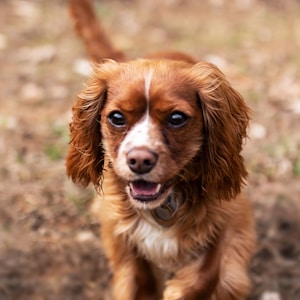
[
  {"x": 226, "y": 117},
  {"x": 85, "y": 155}
]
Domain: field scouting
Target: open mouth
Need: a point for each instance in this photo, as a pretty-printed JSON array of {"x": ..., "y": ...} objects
[{"x": 145, "y": 190}]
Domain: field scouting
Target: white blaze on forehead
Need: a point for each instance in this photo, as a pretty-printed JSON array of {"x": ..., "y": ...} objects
[
  {"x": 139, "y": 135},
  {"x": 148, "y": 78}
]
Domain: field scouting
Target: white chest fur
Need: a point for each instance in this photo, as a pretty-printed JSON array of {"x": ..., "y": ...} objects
[{"x": 158, "y": 244}]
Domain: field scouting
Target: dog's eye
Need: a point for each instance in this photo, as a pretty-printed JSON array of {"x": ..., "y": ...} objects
[
  {"x": 177, "y": 119},
  {"x": 116, "y": 119}
]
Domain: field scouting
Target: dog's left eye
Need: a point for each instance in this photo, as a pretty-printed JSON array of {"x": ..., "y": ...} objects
[
  {"x": 116, "y": 119},
  {"x": 177, "y": 119}
]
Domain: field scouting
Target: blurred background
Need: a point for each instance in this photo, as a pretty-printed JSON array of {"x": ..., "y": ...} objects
[{"x": 49, "y": 241}]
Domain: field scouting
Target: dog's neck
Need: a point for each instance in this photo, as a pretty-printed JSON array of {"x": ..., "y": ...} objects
[{"x": 178, "y": 201}]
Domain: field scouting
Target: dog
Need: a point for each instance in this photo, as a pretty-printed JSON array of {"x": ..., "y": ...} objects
[{"x": 160, "y": 138}]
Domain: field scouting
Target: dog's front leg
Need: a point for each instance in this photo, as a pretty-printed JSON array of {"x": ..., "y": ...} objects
[
  {"x": 198, "y": 280},
  {"x": 133, "y": 280}
]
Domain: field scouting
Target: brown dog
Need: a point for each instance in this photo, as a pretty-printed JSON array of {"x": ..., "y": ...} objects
[{"x": 161, "y": 138}]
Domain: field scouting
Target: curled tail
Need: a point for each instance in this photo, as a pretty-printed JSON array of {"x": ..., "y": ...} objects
[{"x": 88, "y": 27}]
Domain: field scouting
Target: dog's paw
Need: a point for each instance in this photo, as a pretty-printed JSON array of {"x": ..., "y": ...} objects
[{"x": 173, "y": 293}]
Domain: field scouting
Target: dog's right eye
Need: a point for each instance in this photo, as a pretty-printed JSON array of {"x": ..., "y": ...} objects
[{"x": 116, "y": 119}]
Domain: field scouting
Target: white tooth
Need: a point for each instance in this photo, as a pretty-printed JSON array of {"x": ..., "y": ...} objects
[
  {"x": 158, "y": 188},
  {"x": 131, "y": 187}
]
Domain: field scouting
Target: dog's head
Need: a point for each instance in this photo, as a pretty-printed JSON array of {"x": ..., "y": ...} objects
[{"x": 158, "y": 123}]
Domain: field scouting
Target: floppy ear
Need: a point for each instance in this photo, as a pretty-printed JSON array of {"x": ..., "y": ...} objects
[
  {"x": 85, "y": 155},
  {"x": 226, "y": 117}
]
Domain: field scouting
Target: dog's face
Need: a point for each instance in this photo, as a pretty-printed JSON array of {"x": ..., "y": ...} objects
[
  {"x": 158, "y": 123},
  {"x": 152, "y": 127}
]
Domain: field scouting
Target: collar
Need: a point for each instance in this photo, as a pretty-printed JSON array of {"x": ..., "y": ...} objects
[{"x": 164, "y": 215}]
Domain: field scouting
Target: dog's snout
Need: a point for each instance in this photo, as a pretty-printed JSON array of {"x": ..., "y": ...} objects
[{"x": 141, "y": 160}]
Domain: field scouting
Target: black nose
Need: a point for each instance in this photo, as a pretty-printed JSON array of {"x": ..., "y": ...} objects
[{"x": 141, "y": 160}]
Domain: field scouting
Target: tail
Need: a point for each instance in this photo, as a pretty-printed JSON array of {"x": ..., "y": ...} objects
[{"x": 87, "y": 26}]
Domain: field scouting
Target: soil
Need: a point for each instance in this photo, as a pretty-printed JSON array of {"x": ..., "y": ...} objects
[{"x": 50, "y": 246}]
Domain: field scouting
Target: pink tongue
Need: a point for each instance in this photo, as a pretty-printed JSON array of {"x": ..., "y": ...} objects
[{"x": 144, "y": 188}]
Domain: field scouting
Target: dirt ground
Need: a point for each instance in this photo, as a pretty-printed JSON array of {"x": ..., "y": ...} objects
[{"x": 50, "y": 248}]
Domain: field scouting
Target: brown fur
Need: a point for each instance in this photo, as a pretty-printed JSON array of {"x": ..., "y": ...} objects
[
  {"x": 204, "y": 253},
  {"x": 86, "y": 24}
]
